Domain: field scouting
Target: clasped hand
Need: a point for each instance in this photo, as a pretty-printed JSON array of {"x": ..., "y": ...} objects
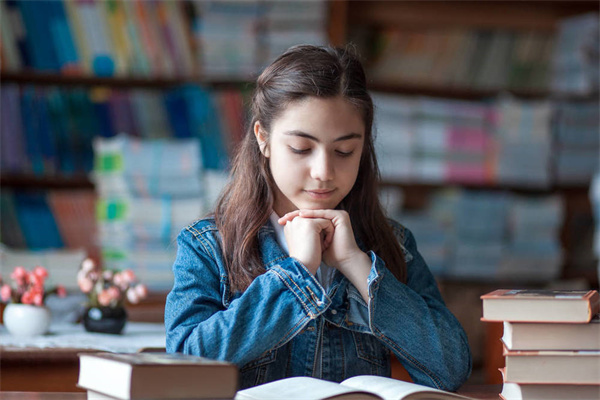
[{"x": 315, "y": 235}]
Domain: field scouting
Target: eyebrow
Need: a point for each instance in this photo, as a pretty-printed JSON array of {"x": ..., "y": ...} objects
[{"x": 307, "y": 136}]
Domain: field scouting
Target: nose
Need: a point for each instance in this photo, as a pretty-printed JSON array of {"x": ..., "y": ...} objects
[{"x": 322, "y": 168}]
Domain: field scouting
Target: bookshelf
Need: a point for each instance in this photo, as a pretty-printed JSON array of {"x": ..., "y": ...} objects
[{"x": 359, "y": 22}]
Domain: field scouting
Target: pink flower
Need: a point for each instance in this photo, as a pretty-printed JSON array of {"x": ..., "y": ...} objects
[
  {"x": 107, "y": 275},
  {"x": 104, "y": 298},
  {"x": 87, "y": 265},
  {"x": 38, "y": 298},
  {"x": 41, "y": 272},
  {"x": 5, "y": 292},
  {"x": 27, "y": 297},
  {"x": 128, "y": 276},
  {"x": 115, "y": 293},
  {"x": 132, "y": 296},
  {"x": 85, "y": 285},
  {"x": 19, "y": 274},
  {"x": 141, "y": 290},
  {"x": 36, "y": 280},
  {"x": 61, "y": 291}
]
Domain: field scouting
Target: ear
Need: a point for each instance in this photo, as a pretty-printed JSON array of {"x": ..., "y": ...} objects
[{"x": 260, "y": 138}]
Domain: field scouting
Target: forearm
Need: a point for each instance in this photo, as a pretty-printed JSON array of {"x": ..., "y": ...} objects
[
  {"x": 270, "y": 312},
  {"x": 420, "y": 330},
  {"x": 357, "y": 272}
]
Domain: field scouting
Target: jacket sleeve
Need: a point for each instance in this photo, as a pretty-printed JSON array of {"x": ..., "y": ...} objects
[
  {"x": 413, "y": 321},
  {"x": 276, "y": 306}
]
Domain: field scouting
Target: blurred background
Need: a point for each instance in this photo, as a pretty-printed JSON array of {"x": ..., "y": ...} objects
[{"x": 119, "y": 118}]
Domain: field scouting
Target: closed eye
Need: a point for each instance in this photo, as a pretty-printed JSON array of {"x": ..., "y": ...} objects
[
  {"x": 344, "y": 153},
  {"x": 298, "y": 151}
]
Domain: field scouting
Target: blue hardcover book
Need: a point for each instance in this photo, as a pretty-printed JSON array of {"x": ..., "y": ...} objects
[
  {"x": 10, "y": 230},
  {"x": 36, "y": 19},
  {"x": 37, "y": 221},
  {"x": 85, "y": 128},
  {"x": 104, "y": 118},
  {"x": 14, "y": 15},
  {"x": 13, "y": 156},
  {"x": 61, "y": 35},
  {"x": 177, "y": 112},
  {"x": 61, "y": 125},
  {"x": 46, "y": 135},
  {"x": 205, "y": 126},
  {"x": 30, "y": 129}
]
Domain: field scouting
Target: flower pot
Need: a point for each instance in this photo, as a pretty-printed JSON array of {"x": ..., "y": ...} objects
[
  {"x": 105, "y": 319},
  {"x": 26, "y": 320}
]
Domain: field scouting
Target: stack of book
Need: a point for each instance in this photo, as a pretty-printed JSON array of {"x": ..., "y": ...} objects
[
  {"x": 575, "y": 60},
  {"x": 479, "y": 228},
  {"x": 551, "y": 342},
  {"x": 577, "y": 142},
  {"x": 148, "y": 191},
  {"x": 524, "y": 140}
]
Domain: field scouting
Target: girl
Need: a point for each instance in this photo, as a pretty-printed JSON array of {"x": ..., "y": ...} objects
[{"x": 299, "y": 272}]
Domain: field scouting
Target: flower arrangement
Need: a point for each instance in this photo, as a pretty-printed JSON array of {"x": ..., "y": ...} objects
[
  {"x": 28, "y": 287},
  {"x": 109, "y": 288}
]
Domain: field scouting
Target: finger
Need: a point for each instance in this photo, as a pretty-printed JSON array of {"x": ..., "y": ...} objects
[
  {"x": 333, "y": 215},
  {"x": 288, "y": 217},
  {"x": 328, "y": 229}
]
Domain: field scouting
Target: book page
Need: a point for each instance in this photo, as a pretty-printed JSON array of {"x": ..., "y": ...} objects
[
  {"x": 303, "y": 388},
  {"x": 393, "y": 389}
]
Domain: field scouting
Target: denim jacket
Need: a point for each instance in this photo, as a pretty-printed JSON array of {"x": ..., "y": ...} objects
[{"x": 285, "y": 324}]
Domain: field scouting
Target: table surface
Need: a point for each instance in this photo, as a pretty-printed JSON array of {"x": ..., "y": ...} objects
[
  {"x": 135, "y": 336},
  {"x": 479, "y": 392}
]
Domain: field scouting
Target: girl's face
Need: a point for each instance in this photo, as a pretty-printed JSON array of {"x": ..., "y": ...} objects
[{"x": 314, "y": 153}]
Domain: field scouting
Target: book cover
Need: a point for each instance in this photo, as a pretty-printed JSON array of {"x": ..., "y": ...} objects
[
  {"x": 552, "y": 336},
  {"x": 549, "y": 366},
  {"x": 574, "y": 306},
  {"x": 156, "y": 376}
]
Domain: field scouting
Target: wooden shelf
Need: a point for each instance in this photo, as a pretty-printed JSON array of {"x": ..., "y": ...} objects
[
  {"x": 45, "y": 182},
  {"x": 417, "y": 186},
  {"x": 488, "y": 14},
  {"x": 44, "y": 78}
]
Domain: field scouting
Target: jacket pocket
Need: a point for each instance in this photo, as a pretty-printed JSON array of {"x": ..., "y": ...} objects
[
  {"x": 255, "y": 372},
  {"x": 369, "y": 349}
]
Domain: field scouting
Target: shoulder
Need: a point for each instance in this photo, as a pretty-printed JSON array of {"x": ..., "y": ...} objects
[
  {"x": 202, "y": 232},
  {"x": 201, "y": 227},
  {"x": 405, "y": 238},
  {"x": 401, "y": 232}
]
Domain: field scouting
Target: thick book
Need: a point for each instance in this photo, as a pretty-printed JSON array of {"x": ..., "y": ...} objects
[
  {"x": 517, "y": 391},
  {"x": 526, "y": 391},
  {"x": 555, "y": 367},
  {"x": 569, "y": 306},
  {"x": 364, "y": 387},
  {"x": 156, "y": 376},
  {"x": 552, "y": 336}
]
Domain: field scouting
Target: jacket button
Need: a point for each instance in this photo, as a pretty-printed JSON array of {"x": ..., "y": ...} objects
[{"x": 333, "y": 312}]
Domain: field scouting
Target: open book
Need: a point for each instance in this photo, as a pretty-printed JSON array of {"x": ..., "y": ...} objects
[{"x": 358, "y": 387}]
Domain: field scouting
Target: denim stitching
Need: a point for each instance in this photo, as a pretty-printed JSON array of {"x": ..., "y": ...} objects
[
  {"x": 308, "y": 311},
  {"x": 298, "y": 287}
]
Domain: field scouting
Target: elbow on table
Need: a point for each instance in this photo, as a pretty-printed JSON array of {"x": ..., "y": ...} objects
[{"x": 459, "y": 370}]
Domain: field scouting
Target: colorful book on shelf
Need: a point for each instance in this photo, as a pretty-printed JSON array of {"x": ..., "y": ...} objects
[
  {"x": 156, "y": 376},
  {"x": 580, "y": 367},
  {"x": 551, "y": 391},
  {"x": 552, "y": 336},
  {"x": 573, "y": 306},
  {"x": 363, "y": 387}
]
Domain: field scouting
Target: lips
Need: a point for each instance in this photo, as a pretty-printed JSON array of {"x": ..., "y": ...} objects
[{"x": 320, "y": 193}]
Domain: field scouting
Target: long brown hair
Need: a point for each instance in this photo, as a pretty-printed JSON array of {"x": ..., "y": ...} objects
[{"x": 247, "y": 201}]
